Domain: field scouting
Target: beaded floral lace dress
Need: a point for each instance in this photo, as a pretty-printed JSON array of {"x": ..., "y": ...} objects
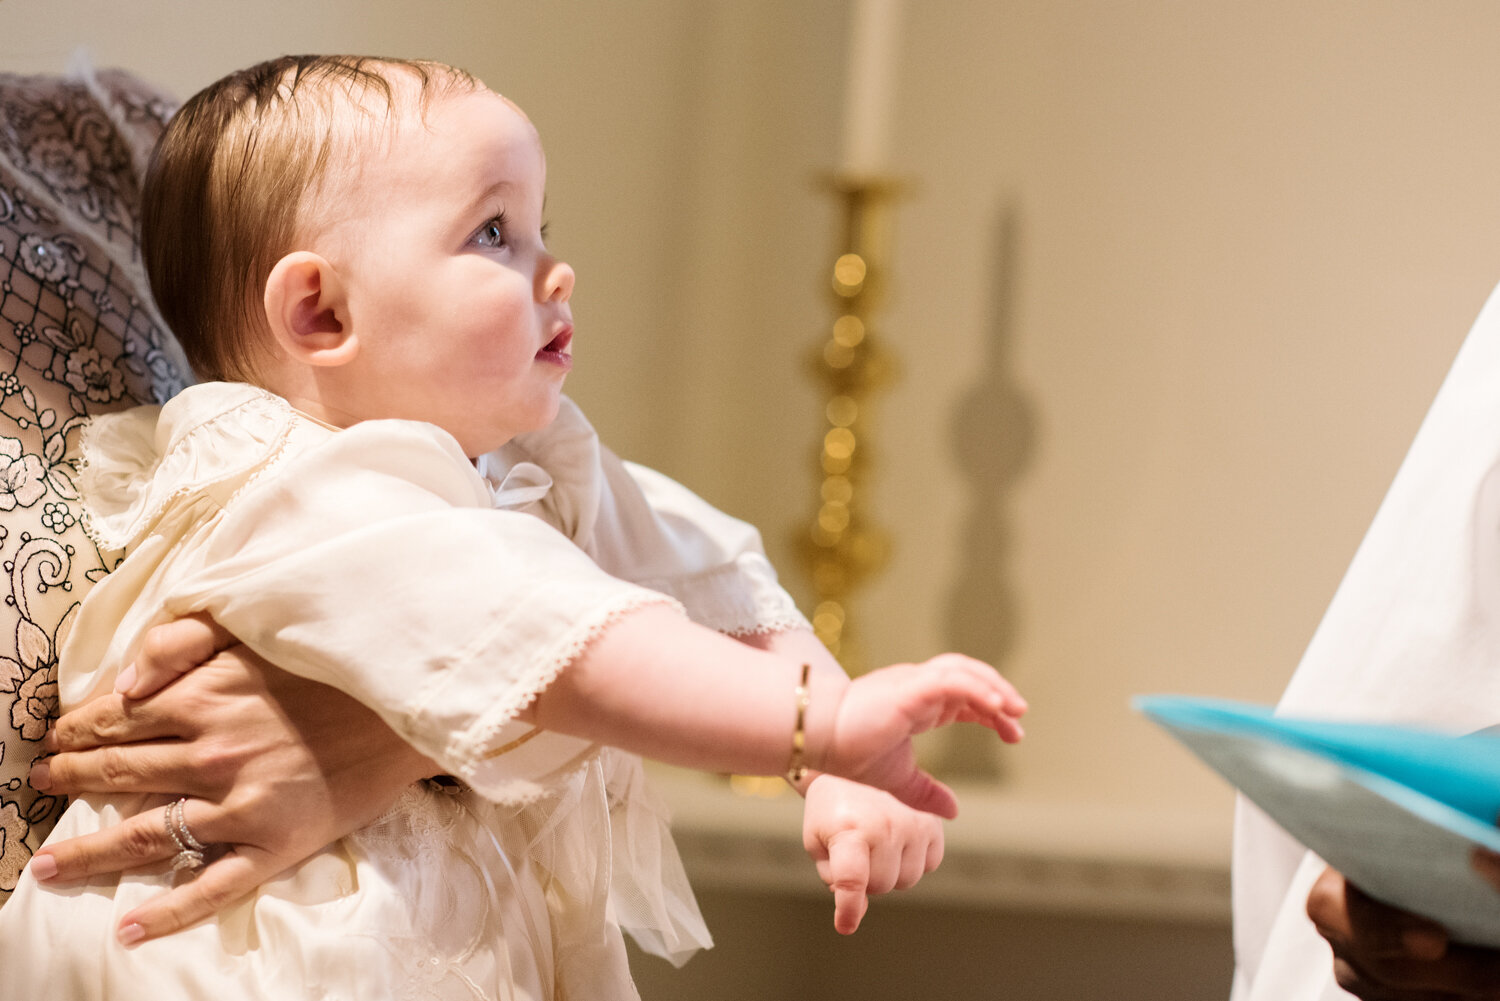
[{"x": 78, "y": 336}]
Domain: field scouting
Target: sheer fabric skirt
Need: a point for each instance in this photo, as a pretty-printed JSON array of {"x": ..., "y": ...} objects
[{"x": 447, "y": 896}]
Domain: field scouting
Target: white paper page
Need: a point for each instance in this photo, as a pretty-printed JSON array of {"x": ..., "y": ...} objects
[{"x": 1394, "y": 843}]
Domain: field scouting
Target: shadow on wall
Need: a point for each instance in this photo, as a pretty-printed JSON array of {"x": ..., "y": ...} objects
[{"x": 993, "y": 435}]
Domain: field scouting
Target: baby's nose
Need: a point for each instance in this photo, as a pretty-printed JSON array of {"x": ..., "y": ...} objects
[{"x": 555, "y": 281}]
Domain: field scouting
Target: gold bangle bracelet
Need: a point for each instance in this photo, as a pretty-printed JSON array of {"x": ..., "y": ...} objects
[{"x": 796, "y": 769}]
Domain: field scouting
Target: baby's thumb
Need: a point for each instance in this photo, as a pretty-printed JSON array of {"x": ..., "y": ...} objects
[{"x": 923, "y": 792}]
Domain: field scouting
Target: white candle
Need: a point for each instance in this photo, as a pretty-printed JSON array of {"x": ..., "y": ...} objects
[{"x": 870, "y": 96}]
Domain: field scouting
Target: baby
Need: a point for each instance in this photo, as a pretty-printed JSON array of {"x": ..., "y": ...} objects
[{"x": 385, "y": 491}]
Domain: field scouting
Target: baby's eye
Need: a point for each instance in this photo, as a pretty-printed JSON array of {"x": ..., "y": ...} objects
[{"x": 492, "y": 233}]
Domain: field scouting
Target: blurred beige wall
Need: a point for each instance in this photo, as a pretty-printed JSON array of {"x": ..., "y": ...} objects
[
  {"x": 1175, "y": 284},
  {"x": 1245, "y": 241}
]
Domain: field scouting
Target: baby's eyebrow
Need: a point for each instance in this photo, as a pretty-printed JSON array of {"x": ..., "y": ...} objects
[{"x": 488, "y": 194}]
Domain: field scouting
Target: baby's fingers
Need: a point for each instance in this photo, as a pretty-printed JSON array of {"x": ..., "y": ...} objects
[
  {"x": 987, "y": 679},
  {"x": 216, "y": 887},
  {"x": 988, "y": 715},
  {"x": 848, "y": 876},
  {"x": 1008, "y": 728},
  {"x": 970, "y": 692}
]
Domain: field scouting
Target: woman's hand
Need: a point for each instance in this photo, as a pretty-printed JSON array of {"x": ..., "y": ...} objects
[
  {"x": 274, "y": 766},
  {"x": 1384, "y": 954},
  {"x": 866, "y": 843}
]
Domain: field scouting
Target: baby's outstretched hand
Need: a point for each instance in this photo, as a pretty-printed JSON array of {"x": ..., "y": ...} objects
[
  {"x": 870, "y": 737},
  {"x": 866, "y": 843}
]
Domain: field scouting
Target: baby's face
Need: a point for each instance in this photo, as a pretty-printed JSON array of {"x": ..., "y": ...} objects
[{"x": 461, "y": 313}]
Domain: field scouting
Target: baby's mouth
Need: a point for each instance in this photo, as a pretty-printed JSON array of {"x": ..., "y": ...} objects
[{"x": 558, "y": 346}]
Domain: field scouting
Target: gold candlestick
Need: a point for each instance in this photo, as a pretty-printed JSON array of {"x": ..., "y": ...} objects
[{"x": 844, "y": 548}]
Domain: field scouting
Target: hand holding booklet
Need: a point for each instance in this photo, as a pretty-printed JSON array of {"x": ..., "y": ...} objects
[{"x": 1397, "y": 809}]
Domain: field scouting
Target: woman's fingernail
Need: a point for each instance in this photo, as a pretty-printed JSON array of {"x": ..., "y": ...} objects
[
  {"x": 49, "y": 740},
  {"x": 42, "y": 867},
  {"x": 125, "y": 679},
  {"x": 40, "y": 776},
  {"x": 131, "y": 934}
]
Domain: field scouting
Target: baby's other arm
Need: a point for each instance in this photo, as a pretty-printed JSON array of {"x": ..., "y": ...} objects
[{"x": 862, "y": 840}]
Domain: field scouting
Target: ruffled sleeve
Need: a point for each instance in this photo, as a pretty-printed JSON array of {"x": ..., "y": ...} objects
[
  {"x": 138, "y": 463},
  {"x": 673, "y": 541},
  {"x": 644, "y": 527},
  {"x": 374, "y": 563}
]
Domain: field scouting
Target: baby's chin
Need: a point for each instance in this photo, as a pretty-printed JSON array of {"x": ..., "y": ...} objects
[{"x": 540, "y": 419}]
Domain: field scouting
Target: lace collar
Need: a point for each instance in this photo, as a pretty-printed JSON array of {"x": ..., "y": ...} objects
[{"x": 136, "y": 463}]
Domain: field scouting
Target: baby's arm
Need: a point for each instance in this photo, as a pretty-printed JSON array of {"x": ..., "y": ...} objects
[
  {"x": 862, "y": 840},
  {"x": 664, "y": 688},
  {"x": 309, "y": 786}
]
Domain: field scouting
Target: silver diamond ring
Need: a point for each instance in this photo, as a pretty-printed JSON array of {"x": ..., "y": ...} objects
[{"x": 189, "y": 849}]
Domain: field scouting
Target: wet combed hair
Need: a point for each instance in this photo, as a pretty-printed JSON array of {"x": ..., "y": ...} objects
[{"x": 231, "y": 176}]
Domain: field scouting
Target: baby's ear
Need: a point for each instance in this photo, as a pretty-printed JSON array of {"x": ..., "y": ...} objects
[{"x": 307, "y": 310}]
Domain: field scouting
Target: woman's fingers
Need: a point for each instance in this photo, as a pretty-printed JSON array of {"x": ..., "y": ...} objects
[
  {"x": 145, "y": 767},
  {"x": 144, "y": 842},
  {"x": 139, "y": 842},
  {"x": 169, "y": 651},
  {"x": 135, "y": 843},
  {"x": 109, "y": 719},
  {"x": 219, "y": 884},
  {"x": 1352, "y": 921}
]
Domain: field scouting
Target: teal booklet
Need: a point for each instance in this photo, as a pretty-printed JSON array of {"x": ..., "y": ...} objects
[{"x": 1396, "y": 809}]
